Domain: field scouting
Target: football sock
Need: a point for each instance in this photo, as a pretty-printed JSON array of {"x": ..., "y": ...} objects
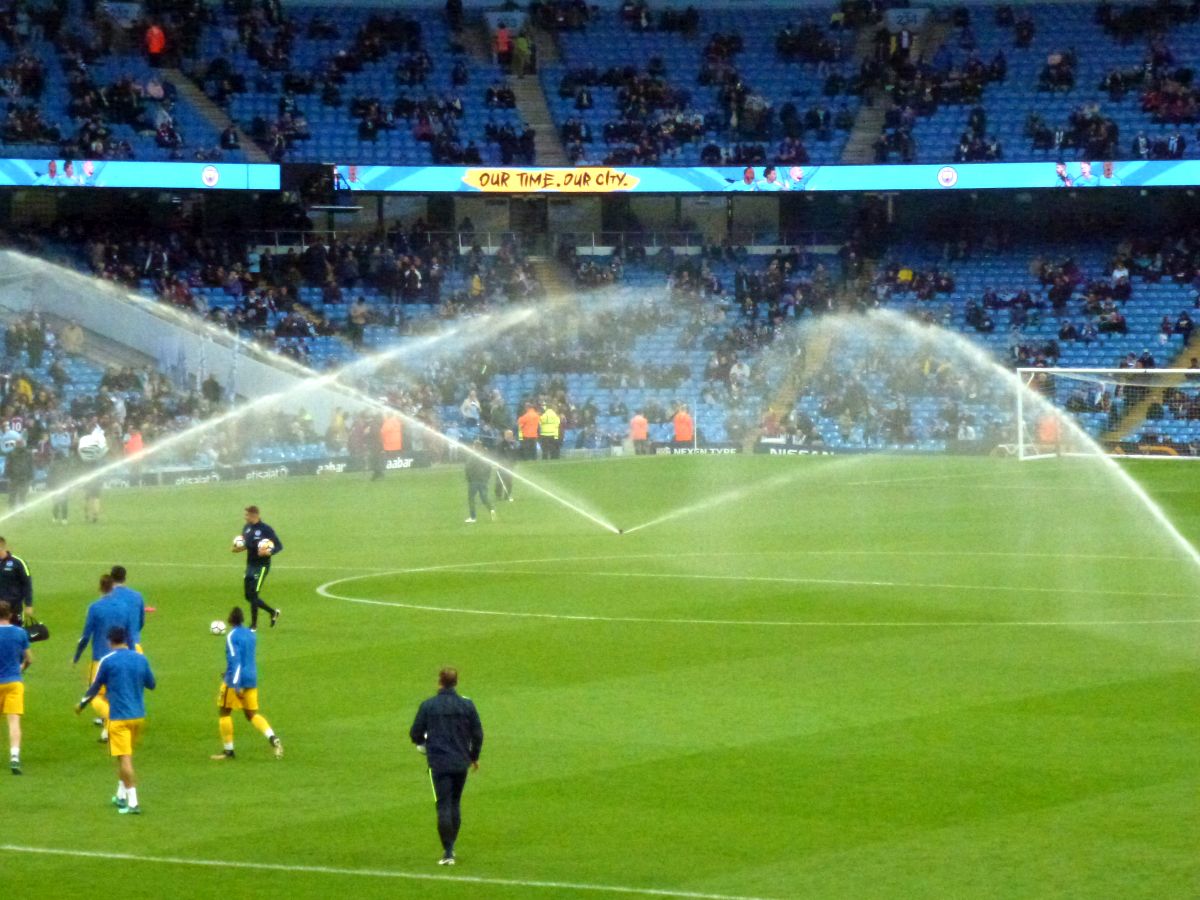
[
  {"x": 122, "y": 794},
  {"x": 262, "y": 725},
  {"x": 15, "y": 752},
  {"x": 131, "y": 794},
  {"x": 226, "y": 723}
]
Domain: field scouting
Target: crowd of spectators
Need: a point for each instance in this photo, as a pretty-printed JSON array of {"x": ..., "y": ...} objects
[{"x": 656, "y": 115}]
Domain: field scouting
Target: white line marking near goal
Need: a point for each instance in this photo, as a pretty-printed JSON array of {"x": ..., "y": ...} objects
[
  {"x": 326, "y": 590},
  {"x": 377, "y": 873}
]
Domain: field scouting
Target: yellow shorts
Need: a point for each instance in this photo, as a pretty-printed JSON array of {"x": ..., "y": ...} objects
[
  {"x": 124, "y": 735},
  {"x": 92, "y": 677},
  {"x": 12, "y": 698},
  {"x": 227, "y": 698}
]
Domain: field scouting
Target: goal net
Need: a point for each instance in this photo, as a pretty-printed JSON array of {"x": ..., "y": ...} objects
[{"x": 1140, "y": 413}]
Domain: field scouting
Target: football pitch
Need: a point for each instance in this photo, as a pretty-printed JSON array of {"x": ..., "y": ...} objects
[{"x": 813, "y": 677}]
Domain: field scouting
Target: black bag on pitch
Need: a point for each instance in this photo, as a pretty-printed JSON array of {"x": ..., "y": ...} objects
[{"x": 36, "y": 630}]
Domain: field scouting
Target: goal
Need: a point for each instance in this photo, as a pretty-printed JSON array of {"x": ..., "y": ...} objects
[{"x": 1135, "y": 413}]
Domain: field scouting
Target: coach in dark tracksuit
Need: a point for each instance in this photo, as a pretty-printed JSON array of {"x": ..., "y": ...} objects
[
  {"x": 447, "y": 729},
  {"x": 16, "y": 587}
]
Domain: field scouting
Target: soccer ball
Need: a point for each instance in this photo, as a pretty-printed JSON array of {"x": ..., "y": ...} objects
[
  {"x": 238, "y": 542},
  {"x": 92, "y": 447},
  {"x": 217, "y": 627},
  {"x": 266, "y": 545}
]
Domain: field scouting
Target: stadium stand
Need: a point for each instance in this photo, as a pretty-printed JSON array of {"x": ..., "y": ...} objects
[
  {"x": 729, "y": 88},
  {"x": 1050, "y": 81},
  {"x": 696, "y": 329},
  {"x": 364, "y": 86},
  {"x": 79, "y": 87},
  {"x": 630, "y": 85}
]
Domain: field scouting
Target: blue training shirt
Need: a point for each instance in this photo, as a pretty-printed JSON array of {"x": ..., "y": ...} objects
[
  {"x": 103, "y": 614},
  {"x": 126, "y": 674},
  {"x": 14, "y": 641},
  {"x": 136, "y": 605},
  {"x": 241, "y": 671}
]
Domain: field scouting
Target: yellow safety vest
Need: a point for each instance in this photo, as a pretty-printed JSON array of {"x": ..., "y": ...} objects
[{"x": 548, "y": 423}]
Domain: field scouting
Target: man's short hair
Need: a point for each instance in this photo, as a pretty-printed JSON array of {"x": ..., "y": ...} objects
[
  {"x": 5, "y": 611},
  {"x": 448, "y": 677},
  {"x": 118, "y": 574},
  {"x": 106, "y": 583},
  {"x": 118, "y": 635},
  {"x": 236, "y": 616},
  {"x": 253, "y": 510}
]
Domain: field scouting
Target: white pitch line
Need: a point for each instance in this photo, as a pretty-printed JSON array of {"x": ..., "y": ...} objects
[
  {"x": 758, "y": 623},
  {"x": 325, "y": 590},
  {"x": 503, "y": 567},
  {"x": 921, "y": 554},
  {"x": 377, "y": 873},
  {"x": 885, "y": 481}
]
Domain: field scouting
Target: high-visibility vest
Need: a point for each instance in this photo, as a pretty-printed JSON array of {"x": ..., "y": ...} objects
[
  {"x": 528, "y": 425},
  {"x": 639, "y": 428},
  {"x": 683, "y": 427},
  {"x": 391, "y": 434},
  {"x": 549, "y": 423}
]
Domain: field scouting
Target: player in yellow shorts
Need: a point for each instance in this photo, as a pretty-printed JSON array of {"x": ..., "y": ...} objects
[
  {"x": 108, "y": 612},
  {"x": 239, "y": 687},
  {"x": 14, "y": 660},
  {"x": 126, "y": 675},
  {"x": 124, "y": 735}
]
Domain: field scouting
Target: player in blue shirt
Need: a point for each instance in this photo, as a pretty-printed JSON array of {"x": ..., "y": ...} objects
[
  {"x": 239, "y": 686},
  {"x": 135, "y": 603},
  {"x": 258, "y": 563},
  {"x": 102, "y": 616},
  {"x": 14, "y": 660},
  {"x": 126, "y": 676}
]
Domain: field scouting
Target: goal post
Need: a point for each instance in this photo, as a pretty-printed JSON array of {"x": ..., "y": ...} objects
[{"x": 1129, "y": 413}]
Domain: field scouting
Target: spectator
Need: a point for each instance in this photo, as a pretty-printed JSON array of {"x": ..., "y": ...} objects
[{"x": 156, "y": 44}]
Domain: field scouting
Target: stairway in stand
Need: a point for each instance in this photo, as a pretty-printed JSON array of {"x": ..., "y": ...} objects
[
  {"x": 868, "y": 124},
  {"x": 213, "y": 114},
  {"x": 558, "y": 282},
  {"x": 1134, "y": 416},
  {"x": 531, "y": 104}
]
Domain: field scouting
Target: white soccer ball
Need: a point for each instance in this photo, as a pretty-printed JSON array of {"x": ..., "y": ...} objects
[
  {"x": 217, "y": 627},
  {"x": 266, "y": 545},
  {"x": 93, "y": 447},
  {"x": 239, "y": 542}
]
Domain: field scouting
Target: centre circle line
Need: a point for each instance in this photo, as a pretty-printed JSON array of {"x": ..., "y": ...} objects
[{"x": 481, "y": 567}]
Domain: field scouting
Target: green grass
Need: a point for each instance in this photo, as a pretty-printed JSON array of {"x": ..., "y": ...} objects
[{"x": 912, "y": 744}]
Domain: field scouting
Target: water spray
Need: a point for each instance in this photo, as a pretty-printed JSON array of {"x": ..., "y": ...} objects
[
  {"x": 503, "y": 322},
  {"x": 897, "y": 322},
  {"x": 740, "y": 493}
]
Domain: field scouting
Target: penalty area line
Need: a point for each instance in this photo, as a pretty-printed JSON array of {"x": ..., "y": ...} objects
[{"x": 376, "y": 873}]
